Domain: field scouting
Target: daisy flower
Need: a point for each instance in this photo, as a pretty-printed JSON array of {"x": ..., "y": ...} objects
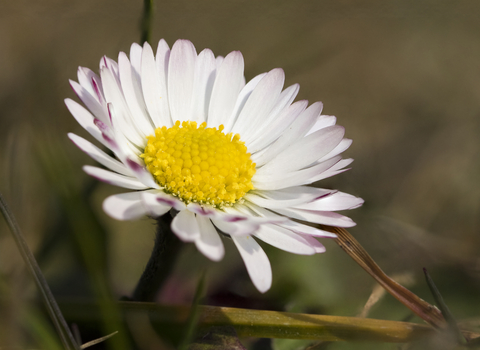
[{"x": 191, "y": 137}]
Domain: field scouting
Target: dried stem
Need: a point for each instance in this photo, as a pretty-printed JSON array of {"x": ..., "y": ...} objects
[{"x": 420, "y": 307}]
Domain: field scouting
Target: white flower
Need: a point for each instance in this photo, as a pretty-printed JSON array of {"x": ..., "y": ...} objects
[{"x": 188, "y": 134}]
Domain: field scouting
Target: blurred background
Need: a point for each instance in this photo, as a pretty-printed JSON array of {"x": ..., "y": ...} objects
[{"x": 403, "y": 77}]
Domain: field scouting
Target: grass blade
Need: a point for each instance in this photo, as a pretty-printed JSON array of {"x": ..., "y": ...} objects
[
  {"x": 453, "y": 327},
  {"x": 194, "y": 314},
  {"x": 59, "y": 322}
]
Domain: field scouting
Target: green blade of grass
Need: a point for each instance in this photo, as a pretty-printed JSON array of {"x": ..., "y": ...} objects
[
  {"x": 452, "y": 324},
  {"x": 192, "y": 322},
  {"x": 59, "y": 322}
]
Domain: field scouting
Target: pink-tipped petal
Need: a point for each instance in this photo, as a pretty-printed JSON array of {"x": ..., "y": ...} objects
[
  {"x": 100, "y": 156},
  {"x": 153, "y": 207}
]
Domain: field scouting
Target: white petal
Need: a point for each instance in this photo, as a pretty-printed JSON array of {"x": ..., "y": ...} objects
[
  {"x": 163, "y": 109},
  {"x": 153, "y": 206},
  {"x": 306, "y": 230},
  {"x": 260, "y": 102},
  {"x": 284, "y": 239},
  {"x": 306, "y": 151},
  {"x": 334, "y": 202},
  {"x": 284, "y": 100},
  {"x": 340, "y": 148},
  {"x": 336, "y": 169},
  {"x": 185, "y": 226},
  {"x": 317, "y": 217},
  {"x": 124, "y": 206},
  {"x": 85, "y": 119},
  {"x": 133, "y": 95},
  {"x": 136, "y": 59},
  {"x": 100, "y": 156},
  {"x": 123, "y": 120},
  {"x": 252, "y": 216},
  {"x": 235, "y": 228},
  {"x": 153, "y": 93},
  {"x": 114, "y": 178},
  {"x": 256, "y": 261},
  {"x": 293, "y": 225},
  {"x": 241, "y": 100},
  {"x": 205, "y": 70},
  {"x": 323, "y": 121},
  {"x": 228, "y": 82},
  {"x": 209, "y": 242},
  {"x": 112, "y": 67},
  {"x": 297, "y": 130},
  {"x": 181, "y": 70},
  {"x": 116, "y": 139},
  {"x": 233, "y": 215},
  {"x": 141, "y": 173},
  {"x": 87, "y": 78},
  {"x": 90, "y": 101},
  {"x": 287, "y": 197},
  {"x": 301, "y": 177},
  {"x": 316, "y": 245},
  {"x": 276, "y": 128},
  {"x": 169, "y": 200}
]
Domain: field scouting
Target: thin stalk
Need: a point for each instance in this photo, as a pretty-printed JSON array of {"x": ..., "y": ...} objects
[
  {"x": 59, "y": 322},
  {"x": 146, "y": 23}
]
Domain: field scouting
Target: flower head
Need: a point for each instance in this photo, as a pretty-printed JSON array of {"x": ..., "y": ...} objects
[{"x": 189, "y": 135}]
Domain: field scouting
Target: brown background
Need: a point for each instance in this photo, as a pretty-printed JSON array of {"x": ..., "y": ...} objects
[{"x": 403, "y": 77}]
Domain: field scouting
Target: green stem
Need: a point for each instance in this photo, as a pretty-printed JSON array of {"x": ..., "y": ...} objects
[
  {"x": 146, "y": 24},
  {"x": 261, "y": 323},
  {"x": 161, "y": 262}
]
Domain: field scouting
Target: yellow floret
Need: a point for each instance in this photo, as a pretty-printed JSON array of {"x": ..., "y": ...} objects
[{"x": 200, "y": 164}]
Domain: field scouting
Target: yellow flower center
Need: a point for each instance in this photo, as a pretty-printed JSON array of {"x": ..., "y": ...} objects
[{"x": 201, "y": 165}]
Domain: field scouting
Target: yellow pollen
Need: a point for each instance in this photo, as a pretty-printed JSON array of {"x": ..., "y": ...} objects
[{"x": 201, "y": 165}]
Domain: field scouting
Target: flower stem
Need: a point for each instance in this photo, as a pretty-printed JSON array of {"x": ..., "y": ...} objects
[{"x": 161, "y": 262}]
